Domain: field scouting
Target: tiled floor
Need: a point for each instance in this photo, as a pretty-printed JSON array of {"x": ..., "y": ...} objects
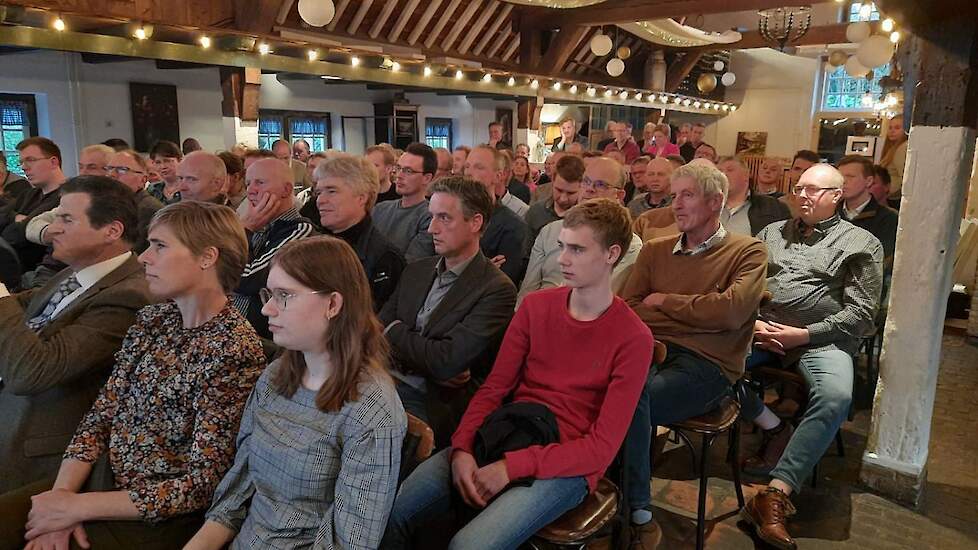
[{"x": 839, "y": 513}]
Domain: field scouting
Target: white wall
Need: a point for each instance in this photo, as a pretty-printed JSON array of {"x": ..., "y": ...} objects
[{"x": 775, "y": 92}]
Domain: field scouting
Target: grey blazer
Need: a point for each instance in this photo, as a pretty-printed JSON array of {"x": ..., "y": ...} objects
[
  {"x": 463, "y": 333},
  {"x": 50, "y": 379}
]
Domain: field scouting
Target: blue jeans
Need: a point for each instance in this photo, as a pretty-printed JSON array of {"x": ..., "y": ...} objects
[
  {"x": 683, "y": 386},
  {"x": 829, "y": 378},
  {"x": 512, "y": 518}
]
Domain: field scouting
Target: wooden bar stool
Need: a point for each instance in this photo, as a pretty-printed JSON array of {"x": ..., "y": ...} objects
[
  {"x": 578, "y": 527},
  {"x": 711, "y": 426}
]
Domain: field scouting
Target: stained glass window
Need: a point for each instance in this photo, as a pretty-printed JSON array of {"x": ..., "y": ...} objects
[{"x": 438, "y": 132}]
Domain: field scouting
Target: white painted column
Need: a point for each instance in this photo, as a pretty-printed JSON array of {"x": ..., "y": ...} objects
[
  {"x": 935, "y": 186},
  {"x": 236, "y": 131}
]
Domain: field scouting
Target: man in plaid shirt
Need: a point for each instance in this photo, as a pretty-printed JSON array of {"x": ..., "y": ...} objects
[{"x": 825, "y": 276}]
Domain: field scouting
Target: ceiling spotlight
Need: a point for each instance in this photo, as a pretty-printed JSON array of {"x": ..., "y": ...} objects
[
  {"x": 573, "y": 89},
  {"x": 312, "y": 55},
  {"x": 687, "y": 102},
  {"x": 459, "y": 74},
  {"x": 58, "y": 24},
  {"x": 355, "y": 61},
  {"x": 716, "y": 106},
  {"x": 608, "y": 92},
  {"x": 557, "y": 86},
  {"x": 677, "y": 100},
  {"x": 697, "y": 104},
  {"x": 638, "y": 96},
  {"x": 535, "y": 84},
  {"x": 623, "y": 94},
  {"x": 726, "y": 107},
  {"x": 886, "y": 25},
  {"x": 205, "y": 42},
  {"x": 733, "y": 108},
  {"x": 395, "y": 66},
  {"x": 427, "y": 70},
  {"x": 139, "y": 33},
  {"x": 487, "y": 77},
  {"x": 511, "y": 82},
  {"x": 591, "y": 91},
  {"x": 651, "y": 98}
]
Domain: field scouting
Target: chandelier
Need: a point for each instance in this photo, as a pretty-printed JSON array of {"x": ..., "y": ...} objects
[{"x": 782, "y": 26}]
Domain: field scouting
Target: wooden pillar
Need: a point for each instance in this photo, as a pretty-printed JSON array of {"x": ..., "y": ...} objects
[
  {"x": 939, "y": 164},
  {"x": 240, "y": 88}
]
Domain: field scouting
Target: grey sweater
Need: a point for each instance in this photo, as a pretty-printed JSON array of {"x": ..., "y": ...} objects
[{"x": 405, "y": 228}]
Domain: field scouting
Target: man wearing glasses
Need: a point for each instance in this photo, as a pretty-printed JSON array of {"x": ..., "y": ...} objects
[
  {"x": 41, "y": 160},
  {"x": 698, "y": 291},
  {"x": 825, "y": 275},
  {"x": 92, "y": 160},
  {"x": 603, "y": 178},
  {"x": 405, "y": 221}
]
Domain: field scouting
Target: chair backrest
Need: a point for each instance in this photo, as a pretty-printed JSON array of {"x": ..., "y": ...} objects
[
  {"x": 658, "y": 352},
  {"x": 419, "y": 442}
]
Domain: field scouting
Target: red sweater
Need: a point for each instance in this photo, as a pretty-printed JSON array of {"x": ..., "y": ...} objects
[{"x": 590, "y": 374}]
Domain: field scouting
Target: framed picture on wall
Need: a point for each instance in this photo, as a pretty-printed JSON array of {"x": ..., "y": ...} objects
[
  {"x": 751, "y": 143},
  {"x": 505, "y": 117},
  {"x": 154, "y": 114}
]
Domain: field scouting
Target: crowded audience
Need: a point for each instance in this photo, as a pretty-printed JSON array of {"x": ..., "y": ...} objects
[{"x": 451, "y": 288}]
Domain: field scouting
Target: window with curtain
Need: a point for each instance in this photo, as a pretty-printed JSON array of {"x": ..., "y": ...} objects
[
  {"x": 438, "y": 132},
  {"x": 18, "y": 121},
  {"x": 846, "y": 93},
  {"x": 293, "y": 126}
]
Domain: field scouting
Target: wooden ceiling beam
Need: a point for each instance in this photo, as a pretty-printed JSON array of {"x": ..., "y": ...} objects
[
  {"x": 340, "y": 10},
  {"x": 478, "y": 28},
  {"x": 358, "y": 17},
  {"x": 446, "y": 16},
  {"x": 487, "y": 36},
  {"x": 680, "y": 70},
  {"x": 402, "y": 20},
  {"x": 283, "y": 11},
  {"x": 255, "y": 16},
  {"x": 429, "y": 12},
  {"x": 629, "y": 11},
  {"x": 561, "y": 48},
  {"x": 381, "y": 20},
  {"x": 511, "y": 50},
  {"x": 463, "y": 20},
  {"x": 503, "y": 38}
]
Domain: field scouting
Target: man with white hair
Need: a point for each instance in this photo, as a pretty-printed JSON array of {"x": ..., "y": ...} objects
[
  {"x": 271, "y": 221},
  {"x": 699, "y": 292},
  {"x": 825, "y": 275},
  {"x": 93, "y": 159},
  {"x": 202, "y": 176}
]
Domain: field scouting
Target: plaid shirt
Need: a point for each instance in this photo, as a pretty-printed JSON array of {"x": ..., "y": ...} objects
[
  {"x": 305, "y": 478},
  {"x": 828, "y": 281}
]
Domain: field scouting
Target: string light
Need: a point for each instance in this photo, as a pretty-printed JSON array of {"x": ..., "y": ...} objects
[
  {"x": 687, "y": 102},
  {"x": 459, "y": 74},
  {"x": 886, "y": 25},
  {"x": 608, "y": 92},
  {"x": 573, "y": 89},
  {"x": 638, "y": 96},
  {"x": 312, "y": 55},
  {"x": 557, "y": 86},
  {"x": 427, "y": 70},
  {"x": 623, "y": 94},
  {"x": 591, "y": 91},
  {"x": 205, "y": 42},
  {"x": 697, "y": 104},
  {"x": 395, "y": 66},
  {"x": 677, "y": 100},
  {"x": 487, "y": 77},
  {"x": 355, "y": 61},
  {"x": 140, "y": 33},
  {"x": 58, "y": 24},
  {"x": 725, "y": 108},
  {"x": 535, "y": 84},
  {"x": 511, "y": 82},
  {"x": 895, "y": 36},
  {"x": 733, "y": 108}
]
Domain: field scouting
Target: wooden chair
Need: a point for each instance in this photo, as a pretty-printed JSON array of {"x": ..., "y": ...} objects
[{"x": 419, "y": 442}]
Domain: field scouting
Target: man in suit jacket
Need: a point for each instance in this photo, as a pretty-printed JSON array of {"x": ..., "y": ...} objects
[
  {"x": 57, "y": 342},
  {"x": 446, "y": 319}
]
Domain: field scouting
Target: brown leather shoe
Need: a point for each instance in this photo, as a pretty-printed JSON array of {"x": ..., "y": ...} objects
[
  {"x": 769, "y": 454},
  {"x": 767, "y": 512},
  {"x": 646, "y": 536}
]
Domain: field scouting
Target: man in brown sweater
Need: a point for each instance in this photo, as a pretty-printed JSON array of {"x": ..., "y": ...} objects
[{"x": 699, "y": 292}]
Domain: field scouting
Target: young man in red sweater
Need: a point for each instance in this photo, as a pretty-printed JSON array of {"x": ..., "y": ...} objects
[{"x": 577, "y": 349}]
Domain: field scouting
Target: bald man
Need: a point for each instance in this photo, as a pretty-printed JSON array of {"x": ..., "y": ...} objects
[
  {"x": 825, "y": 275},
  {"x": 202, "y": 176},
  {"x": 271, "y": 220}
]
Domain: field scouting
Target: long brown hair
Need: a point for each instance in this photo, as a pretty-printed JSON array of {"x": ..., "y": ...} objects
[
  {"x": 354, "y": 339},
  {"x": 890, "y": 146}
]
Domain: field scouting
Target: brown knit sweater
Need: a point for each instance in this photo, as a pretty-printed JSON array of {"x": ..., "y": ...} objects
[{"x": 712, "y": 297}]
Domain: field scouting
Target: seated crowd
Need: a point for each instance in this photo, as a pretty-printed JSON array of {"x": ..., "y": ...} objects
[{"x": 206, "y": 350}]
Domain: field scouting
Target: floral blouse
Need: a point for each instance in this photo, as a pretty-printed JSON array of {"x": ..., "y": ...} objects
[{"x": 169, "y": 412}]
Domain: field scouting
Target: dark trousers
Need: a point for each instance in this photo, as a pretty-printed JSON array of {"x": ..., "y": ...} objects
[
  {"x": 111, "y": 535},
  {"x": 683, "y": 386}
]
